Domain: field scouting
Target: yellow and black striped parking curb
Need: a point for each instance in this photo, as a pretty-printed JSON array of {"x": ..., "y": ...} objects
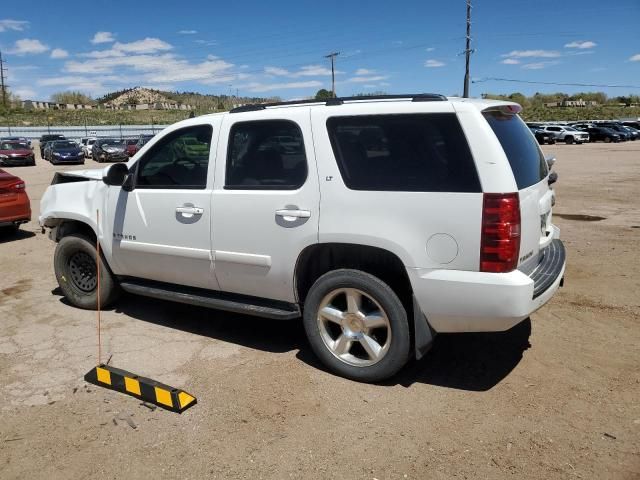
[{"x": 143, "y": 388}]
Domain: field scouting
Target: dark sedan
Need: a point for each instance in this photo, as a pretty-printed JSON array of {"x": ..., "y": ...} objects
[
  {"x": 109, "y": 150},
  {"x": 49, "y": 138},
  {"x": 64, "y": 151},
  {"x": 601, "y": 134},
  {"x": 13, "y": 154}
]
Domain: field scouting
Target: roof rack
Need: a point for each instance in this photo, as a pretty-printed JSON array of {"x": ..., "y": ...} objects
[{"x": 419, "y": 97}]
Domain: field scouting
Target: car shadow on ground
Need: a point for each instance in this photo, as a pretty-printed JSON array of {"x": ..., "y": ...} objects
[
  {"x": 11, "y": 235},
  {"x": 469, "y": 361}
]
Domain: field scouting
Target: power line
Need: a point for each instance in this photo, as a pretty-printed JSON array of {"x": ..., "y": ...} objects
[{"x": 563, "y": 84}]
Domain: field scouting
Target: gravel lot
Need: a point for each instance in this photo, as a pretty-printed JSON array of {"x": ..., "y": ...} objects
[{"x": 556, "y": 397}]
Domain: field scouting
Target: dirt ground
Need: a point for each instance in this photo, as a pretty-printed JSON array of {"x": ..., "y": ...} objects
[{"x": 556, "y": 397}]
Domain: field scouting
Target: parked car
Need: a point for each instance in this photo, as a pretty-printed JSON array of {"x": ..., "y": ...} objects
[
  {"x": 419, "y": 233},
  {"x": 14, "y": 153},
  {"x": 48, "y": 138},
  {"x": 109, "y": 150},
  {"x": 633, "y": 124},
  {"x": 633, "y": 133},
  {"x": 64, "y": 151},
  {"x": 603, "y": 134},
  {"x": 86, "y": 144},
  {"x": 543, "y": 137},
  {"x": 15, "y": 206},
  {"x": 17, "y": 139},
  {"x": 130, "y": 146},
  {"x": 142, "y": 141},
  {"x": 619, "y": 129},
  {"x": 567, "y": 134}
]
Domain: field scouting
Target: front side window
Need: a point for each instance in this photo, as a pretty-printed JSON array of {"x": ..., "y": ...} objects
[
  {"x": 405, "y": 152},
  {"x": 266, "y": 155},
  {"x": 179, "y": 160}
]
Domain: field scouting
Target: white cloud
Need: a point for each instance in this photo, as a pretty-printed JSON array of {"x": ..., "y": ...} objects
[
  {"x": 533, "y": 54},
  {"x": 25, "y": 93},
  {"x": 364, "y": 71},
  {"x": 103, "y": 37},
  {"x": 430, "y": 49},
  {"x": 635, "y": 58},
  {"x": 266, "y": 87},
  {"x": 367, "y": 79},
  {"x": 188, "y": 32},
  {"x": 147, "y": 45},
  {"x": 276, "y": 71},
  {"x": 434, "y": 63},
  {"x": 539, "y": 65},
  {"x": 15, "y": 25},
  {"x": 28, "y": 46},
  {"x": 313, "y": 71},
  {"x": 59, "y": 53},
  {"x": 510, "y": 61},
  {"x": 581, "y": 44}
]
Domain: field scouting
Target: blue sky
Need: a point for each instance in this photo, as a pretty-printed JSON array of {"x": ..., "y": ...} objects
[{"x": 276, "y": 48}]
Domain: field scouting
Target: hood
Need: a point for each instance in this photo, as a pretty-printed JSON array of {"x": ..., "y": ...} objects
[
  {"x": 74, "y": 150},
  {"x": 18, "y": 152},
  {"x": 92, "y": 174}
]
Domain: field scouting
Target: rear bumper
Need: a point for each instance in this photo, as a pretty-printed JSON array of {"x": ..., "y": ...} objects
[
  {"x": 15, "y": 211},
  {"x": 460, "y": 301}
]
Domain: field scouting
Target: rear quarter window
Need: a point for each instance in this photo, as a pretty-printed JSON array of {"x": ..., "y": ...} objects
[
  {"x": 403, "y": 152},
  {"x": 520, "y": 146}
]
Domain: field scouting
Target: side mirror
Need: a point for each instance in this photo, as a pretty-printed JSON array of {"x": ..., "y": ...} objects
[
  {"x": 116, "y": 175},
  {"x": 551, "y": 160},
  {"x": 553, "y": 178}
]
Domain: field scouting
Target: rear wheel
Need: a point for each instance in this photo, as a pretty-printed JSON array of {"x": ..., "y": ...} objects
[
  {"x": 75, "y": 269},
  {"x": 357, "y": 325}
]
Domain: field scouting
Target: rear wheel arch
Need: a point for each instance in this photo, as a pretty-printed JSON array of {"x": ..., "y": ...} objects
[{"x": 319, "y": 259}]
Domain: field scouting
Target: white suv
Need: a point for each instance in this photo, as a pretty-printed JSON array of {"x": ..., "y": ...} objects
[
  {"x": 567, "y": 134},
  {"x": 380, "y": 220}
]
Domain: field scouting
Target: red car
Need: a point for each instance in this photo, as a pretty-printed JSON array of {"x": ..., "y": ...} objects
[
  {"x": 15, "y": 207},
  {"x": 130, "y": 146},
  {"x": 15, "y": 153}
]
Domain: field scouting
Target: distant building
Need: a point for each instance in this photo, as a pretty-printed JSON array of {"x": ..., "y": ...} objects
[{"x": 572, "y": 103}]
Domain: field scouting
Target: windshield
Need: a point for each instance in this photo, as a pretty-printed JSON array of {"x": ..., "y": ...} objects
[
  {"x": 112, "y": 143},
  {"x": 131, "y": 141},
  {"x": 66, "y": 144},
  {"x": 14, "y": 146}
]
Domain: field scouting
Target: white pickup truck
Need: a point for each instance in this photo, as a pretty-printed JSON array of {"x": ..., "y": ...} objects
[{"x": 380, "y": 221}]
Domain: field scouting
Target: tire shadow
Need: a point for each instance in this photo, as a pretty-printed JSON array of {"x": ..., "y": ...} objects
[
  {"x": 8, "y": 234},
  {"x": 467, "y": 361}
]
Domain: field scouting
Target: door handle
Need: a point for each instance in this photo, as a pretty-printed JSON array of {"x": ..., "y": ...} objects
[
  {"x": 291, "y": 215},
  {"x": 190, "y": 210}
]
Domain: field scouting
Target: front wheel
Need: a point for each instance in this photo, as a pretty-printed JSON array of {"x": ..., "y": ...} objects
[
  {"x": 568, "y": 140},
  {"x": 75, "y": 269},
  {"x": 357, "y": 325}
]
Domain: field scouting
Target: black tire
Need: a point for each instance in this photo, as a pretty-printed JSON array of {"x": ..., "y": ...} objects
[
  {"x": 607, "y": 139},
  {"x": 568, "y": 139},
  {"x": 397, "y": 348},
  {"x": 75, "y": 268}
]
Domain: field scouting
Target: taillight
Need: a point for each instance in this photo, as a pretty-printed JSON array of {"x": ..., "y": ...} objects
[
  {"x": 500, "y": 241},
  {"x": 13, "y": 187}
]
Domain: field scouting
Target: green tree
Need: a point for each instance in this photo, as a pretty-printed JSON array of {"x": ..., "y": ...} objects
[
  {"x": 72, "y": 97},
  {"x": 323, "y": 94}
]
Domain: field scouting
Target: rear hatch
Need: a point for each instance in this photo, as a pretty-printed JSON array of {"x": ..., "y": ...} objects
[{"x": 530, "y": 172}]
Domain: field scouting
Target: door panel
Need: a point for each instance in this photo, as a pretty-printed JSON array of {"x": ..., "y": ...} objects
[
  {"x": 162, "y": 229},
  {"x": 266, "y": 212}
]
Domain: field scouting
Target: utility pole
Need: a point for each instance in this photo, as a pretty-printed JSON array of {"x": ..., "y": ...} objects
[
  {"x": 467, "y": 51},
  {"x": 333, "y": 56},
  {"x": 2, "y": 85}
]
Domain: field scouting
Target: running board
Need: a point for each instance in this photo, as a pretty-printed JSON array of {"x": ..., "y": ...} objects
[{"x": 229, "y": 302}]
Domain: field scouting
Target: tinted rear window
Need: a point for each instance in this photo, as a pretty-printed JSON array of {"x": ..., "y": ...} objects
[
  {"x": 522, "y": 150},
  {"x": 412, "y": 152}
]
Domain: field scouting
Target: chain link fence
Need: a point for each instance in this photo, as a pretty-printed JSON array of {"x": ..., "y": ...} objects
[{"x": 77, "y": 132}]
